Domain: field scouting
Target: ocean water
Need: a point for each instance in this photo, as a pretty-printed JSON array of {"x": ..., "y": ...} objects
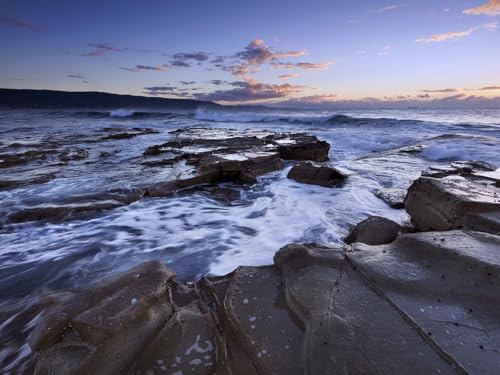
[{"x": 208, "y": 230}]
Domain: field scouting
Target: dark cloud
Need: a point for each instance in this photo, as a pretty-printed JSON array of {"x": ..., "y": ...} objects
[
  {"x": 184, "y": 60},
  {"x": 198, "y": 56},
  {"x": 137, "y": 68},
  {"x": 21, "y": 24},
  {"x": 219, "y": 82},
  {"x": 77, "y": 76},
  {"x": 181, "y": 64},
  {"x": 160, "y": 90},
  {"x": 441, "y": 90},
  {"x": 423, "y": 96},
  {"x": 101, "y": 49},
  {"x": 187, "y": 82},
  {"x": 250, "y": 90}
]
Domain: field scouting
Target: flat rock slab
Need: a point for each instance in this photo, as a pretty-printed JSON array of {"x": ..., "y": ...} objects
[
  {"x": 309, "y": 173},
  {"x": 424, "y": 304},
  {"x": 446, "y": 283}
]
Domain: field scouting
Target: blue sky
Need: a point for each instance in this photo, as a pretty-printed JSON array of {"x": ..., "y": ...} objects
[{"x": 314, "y": 52}]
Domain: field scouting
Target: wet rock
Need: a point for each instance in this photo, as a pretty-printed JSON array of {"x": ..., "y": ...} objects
[
  {"x": 15, "y": 180},
  {"x": 393, "y": 197},
  {"x": 113, "y": 319},
  {"x": 118, "y": 133},
  {"x": 374, "y": 230},
  {"x": 445, "y": 284},
  {"x": 73, "y": 153},
  {"x": 77, "y": 206},
  {"x": 13, "y": 159},
  {"x": 303, "y": 147},
  {"x": 313, "y": 174},
  {"x": 453, "y": 199},
  {"x": 426, "y": 303}
]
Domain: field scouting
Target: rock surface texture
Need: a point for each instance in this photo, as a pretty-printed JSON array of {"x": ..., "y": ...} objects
[
  {"x": 375, "y": 230},
  {"x": 464, "y": 195},
  {"x": 309, "y": 173},
  {"x": 425, "y": 303},
  {"x": 191, "y": 157}
]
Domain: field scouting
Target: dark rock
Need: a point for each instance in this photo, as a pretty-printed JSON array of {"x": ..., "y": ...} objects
[
  {"x": 374, "y": 230},
  {"x": 395, "y": 198},
  {"x": 118, "y": 133},
  {"x": 9, "y": 160},
  {"x": 306, "y": 149},
  {"x": 73, "y": 153},
  {"x": 372, "y": 309},
  {"x": 310, "y": 173}
]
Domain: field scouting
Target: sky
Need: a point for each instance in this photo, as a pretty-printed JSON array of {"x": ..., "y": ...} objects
[{"x": 279, "y": 52}]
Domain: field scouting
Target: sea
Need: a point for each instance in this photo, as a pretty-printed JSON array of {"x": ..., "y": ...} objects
[{"x": 207, "y": 230}]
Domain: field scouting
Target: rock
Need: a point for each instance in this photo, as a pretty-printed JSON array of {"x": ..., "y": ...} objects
[
  {"x": 195, "y": 156},
  {"x": 313, "y": 174},
  {"x": 454, "y": 199},
  {"x": 73, "y": 153},
  {"x": 370, "y": 309},
  {"x": 13, "y": 159},
  {"x": 117, "y": 133},
  {"x": 303, "y": 148},
  {"x": 374, "y": 230},
  {"x": 393, "y": 197},
  {"x": 445, "y": 284}
]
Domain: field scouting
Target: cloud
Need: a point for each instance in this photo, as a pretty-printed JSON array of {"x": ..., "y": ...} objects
[
  {"x": 76, "y": 76},
  {"x": 250, "y": 91},
  {"x": 302, "y": 65},
  {"x": 441, "y": 90},
  {"x": 398, "y": 102},
  {"x": 255, "y": 54},
  {"x": 288, "y": 76},
  {"x": 101, "y": 49},
  {"x": 137, "y": 68},
  {"x": 490, "y": 8},
  {"x": 160, "y": 90},
  {"x": 437, "y": 38},
  {"x": 490, "y": 26},
  {"x": 486, "y": 88},
  {"x": 187, "y": 82},
  {"x": 182, "y": 59},
  {"x": 21, "y": 24},
  {"x": 160, "y": 68},
  {"x": 388, "y": 8},
  {"x": 198, "y": 56},
  {"x": 181, "y": 64}
]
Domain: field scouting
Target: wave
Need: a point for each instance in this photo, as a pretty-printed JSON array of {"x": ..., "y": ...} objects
[
  {"x": 305, "y": 119},
  {"x": 119, "y": 114}
]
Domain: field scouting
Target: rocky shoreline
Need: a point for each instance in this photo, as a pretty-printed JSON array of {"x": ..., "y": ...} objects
[{"x": 416, "y": 299}]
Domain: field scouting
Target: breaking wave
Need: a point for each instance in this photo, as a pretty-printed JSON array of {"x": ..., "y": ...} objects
[{"x": 295, "y": 118}]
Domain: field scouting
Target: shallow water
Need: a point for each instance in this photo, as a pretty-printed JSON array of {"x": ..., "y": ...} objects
[{"x": 208, "y": 229}]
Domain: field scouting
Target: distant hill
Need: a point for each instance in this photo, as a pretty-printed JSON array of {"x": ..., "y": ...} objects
[{"x": 16, "y": 98}]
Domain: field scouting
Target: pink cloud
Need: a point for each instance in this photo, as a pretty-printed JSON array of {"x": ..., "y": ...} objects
[{"x": 490, "y": 8}]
